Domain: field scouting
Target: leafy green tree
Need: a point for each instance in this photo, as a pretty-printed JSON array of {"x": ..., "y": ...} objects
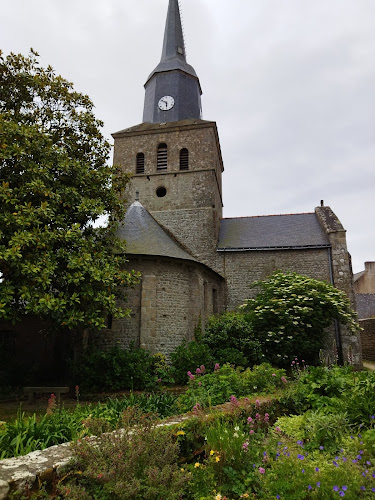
[
  {"x": 54, "y": 184},
  {"x": 291, "y": 313}
]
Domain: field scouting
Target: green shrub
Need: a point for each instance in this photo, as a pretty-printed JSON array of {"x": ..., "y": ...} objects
[
  {"x": 291, "y": 313},
  {"x": 135, "y": 466},
  {"x": 115, "y": 369},
  {"x": 231, "y": 340},
  {"x": 187, "y": 357},
  {"x": 211, "y": 389}
]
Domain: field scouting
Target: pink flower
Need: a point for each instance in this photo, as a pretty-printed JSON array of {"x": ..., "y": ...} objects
[
  {"x": 233, "y": 400},
  {"x": 278, "y": 429},
  {"x": 249, "y": 420},
  {"x": 257, "y": 416},
  {"x": 274, "y": 374},
  {"x": 284, "y": 380},
  {"x": 245, "y": 446},
  {"x": 199, "y": 383},
  {"x": 217, "y": 367},
  {"x": 261, "y": 470},
  {"x": 257, "y": 403},
  {"x": 266, "y": 417},
  {"x": 203, "y": 369},
  {"x": 198, "y": 371},
  {"x": 252, "y": 431}
]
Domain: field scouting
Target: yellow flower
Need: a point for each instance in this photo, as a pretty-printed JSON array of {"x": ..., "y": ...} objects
[
  {"x": 217, "y": 459},
  {"x": 197, "y": 465},
  {"x": 212, "y": 452},
  {"x": 180, "y": 433},
  {"x": 218, "y": 497}
]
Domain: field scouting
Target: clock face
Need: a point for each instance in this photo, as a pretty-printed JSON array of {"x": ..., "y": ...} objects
[{"x": 166, "y": 103}]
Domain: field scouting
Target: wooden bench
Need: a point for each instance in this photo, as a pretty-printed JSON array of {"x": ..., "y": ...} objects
[{"x": 57, "y": 391}]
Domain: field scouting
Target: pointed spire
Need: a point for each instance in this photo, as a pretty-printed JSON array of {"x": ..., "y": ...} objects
[
  {"x": 173, "y": 77},
  {"x": 174, "y": 45}
]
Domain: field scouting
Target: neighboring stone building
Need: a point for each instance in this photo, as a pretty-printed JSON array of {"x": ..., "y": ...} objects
[
  {"x": 193, "y": 262},
  {"x": 364, "y": 287}
]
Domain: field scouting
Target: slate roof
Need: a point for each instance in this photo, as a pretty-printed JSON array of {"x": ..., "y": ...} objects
[
  {"x": 144, "y": 236},
  {"x": 148, "y": 126},
  {"x": 270, "y": 232},
  {"x": 173, "y": 54}
]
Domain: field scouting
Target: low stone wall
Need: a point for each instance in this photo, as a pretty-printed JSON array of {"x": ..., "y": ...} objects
[
  {"x": 16, "y": 474},
  {"x": 368, "y": 339}
]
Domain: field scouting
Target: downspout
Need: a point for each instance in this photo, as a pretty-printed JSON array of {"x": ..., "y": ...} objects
[{"x": 336, "y": 323}]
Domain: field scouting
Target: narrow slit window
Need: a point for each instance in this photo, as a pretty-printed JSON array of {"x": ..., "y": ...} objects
[
  {"x": 140, "y": 164},
  {"x": 162, "y": 162},
  {"x": 184, "y": 159}
]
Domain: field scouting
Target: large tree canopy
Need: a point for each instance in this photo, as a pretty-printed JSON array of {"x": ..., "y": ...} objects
[{"x": 55, "y": 182}]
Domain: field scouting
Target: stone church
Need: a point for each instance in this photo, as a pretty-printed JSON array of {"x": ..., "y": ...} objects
[{"x": 193, "y": 261}]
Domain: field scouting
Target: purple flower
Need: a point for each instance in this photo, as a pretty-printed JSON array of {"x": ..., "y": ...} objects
[
  {"x": 342, "y": 494},
  {"x": 321, "y": 447},
  {"x": 344, "y": 488},
  {"x": 336, "y": 488},
  {"x": 361, "y": 452},
  {"x": 318, "y": 484},
  {"x": 303, "y": 471},
  {"x": 344, "y": 459},
  {"x": 363, "y": 488},
  {"x": 317, "y": 469},
  {"x": 301, "y": 457},
  {"x": 372, "y": 489},
  {"x": 309, "y": 487},
  {"x": 368, "y": 462},
  {"x": 373, "y": 416},
  {"x": 278, "y": 497},
  {"x": 354, "y": 461},
  {"x": 335, "y": 464}
]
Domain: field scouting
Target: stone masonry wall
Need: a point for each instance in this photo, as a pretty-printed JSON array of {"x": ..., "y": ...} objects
[
  {"x": 368, "y": 339},
  {"x": 192, "y": 206},
  {"x": 167, "y": 305},
  {"x": 243, "y": 268},
  {"x": 342, "y": 276}
]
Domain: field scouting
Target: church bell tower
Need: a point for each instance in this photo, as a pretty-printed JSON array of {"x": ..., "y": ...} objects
[{"x": 173, "y": 155}]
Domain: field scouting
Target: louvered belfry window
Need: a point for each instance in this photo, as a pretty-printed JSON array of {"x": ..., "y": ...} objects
[
  {"x": 184, "y": 159},
  {"x": 162, "y": 162},
  {"x": 140, "y": 164}
]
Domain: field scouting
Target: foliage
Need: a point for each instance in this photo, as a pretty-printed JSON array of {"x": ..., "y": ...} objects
[
  {"x": 54, "y": 184},
  {"x": 129, "y": 465},
  {"x": 231, "y": 340},
  {"x": 116, "y": 369},
  {"x": 209, "y": 389},
  {"x": 291, "y": 312},
  {"x": 187, "y": 357},
  {"x": 335, "y": 389},
  {"x": 316, "y": 429},
  {"x": 26, "y": 434}
]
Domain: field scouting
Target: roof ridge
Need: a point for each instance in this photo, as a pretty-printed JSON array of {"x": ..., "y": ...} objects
[{"x": 270, "y": 215}]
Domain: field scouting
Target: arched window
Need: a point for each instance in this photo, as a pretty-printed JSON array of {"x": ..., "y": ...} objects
[
  {"x": 184, "y": 159},
  {"x": 140, "y": 164},
  {"x": 162, "y": 162}
]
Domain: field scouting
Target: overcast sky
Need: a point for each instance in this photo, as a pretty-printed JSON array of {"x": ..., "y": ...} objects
[{"x": 290, "y": 84}]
